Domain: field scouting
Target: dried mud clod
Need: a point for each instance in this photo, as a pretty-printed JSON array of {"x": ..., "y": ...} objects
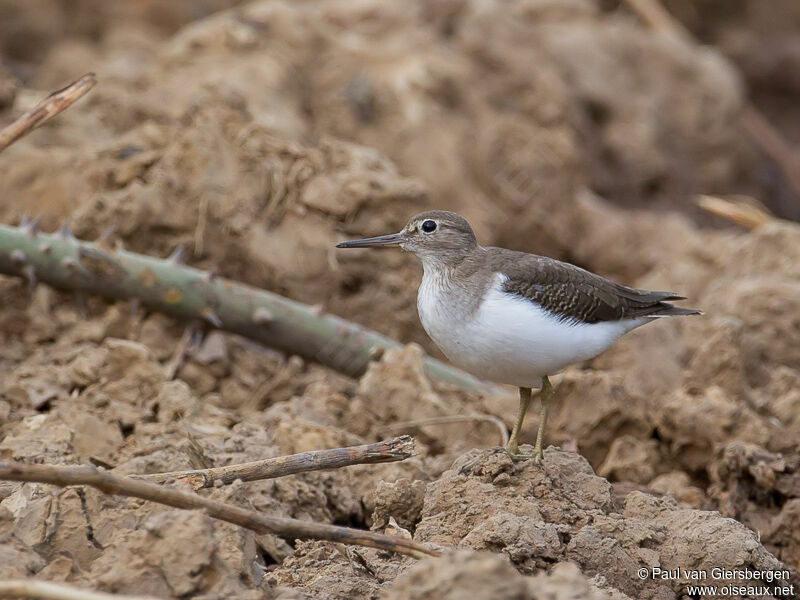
[
  {"x": 485, "y": 576},
  {"x": 541, "y": 515}
]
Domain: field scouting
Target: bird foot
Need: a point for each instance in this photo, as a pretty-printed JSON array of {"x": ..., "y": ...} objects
[
  {"x": 536, "y": 456},
  {"x": 514, "y": 455}
]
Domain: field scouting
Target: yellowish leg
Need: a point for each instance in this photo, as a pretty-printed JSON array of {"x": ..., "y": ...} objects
[{"x": 524, "y": 401}]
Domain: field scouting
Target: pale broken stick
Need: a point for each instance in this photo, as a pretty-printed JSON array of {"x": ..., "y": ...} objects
[
  {"x": 393, "y": 450},
  {"x": 45, "y": 110},
  {"x": 255, "y": 521},
  {"x": 44, "y": 590},
  {"x": 448, "y": 419},
  {"x": 742, "y": 210}
]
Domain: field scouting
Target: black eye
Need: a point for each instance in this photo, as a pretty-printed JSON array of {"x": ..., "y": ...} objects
[{"x": 428, "y": 226}]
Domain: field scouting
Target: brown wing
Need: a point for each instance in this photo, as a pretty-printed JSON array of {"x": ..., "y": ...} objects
[{"x": 572, "y": 293}]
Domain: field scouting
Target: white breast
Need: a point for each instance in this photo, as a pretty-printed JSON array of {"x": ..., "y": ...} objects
[{"x": 509, "y": 339}]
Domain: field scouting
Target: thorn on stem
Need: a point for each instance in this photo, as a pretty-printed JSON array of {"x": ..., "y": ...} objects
[
  {"x": 209, "y": 275},
  {"x": 18, "y": 257},
  {"x": 69, "y": 263},
  {"x": 176, "y": 258},
  {"x": 210, "y": 316},
  {"x": 263, "y": 316},
  {"x": 31, "y": 227},
  {"x": 64, "y": 231}
]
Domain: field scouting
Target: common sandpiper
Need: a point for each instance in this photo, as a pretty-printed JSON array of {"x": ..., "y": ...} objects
[{"x": 513, "y": 317}]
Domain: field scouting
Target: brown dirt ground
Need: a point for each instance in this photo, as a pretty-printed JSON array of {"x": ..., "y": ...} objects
[{"x": 261, "y": 135}]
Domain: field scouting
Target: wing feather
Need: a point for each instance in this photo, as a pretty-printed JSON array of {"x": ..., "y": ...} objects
[{"x": 573, "y": 293}]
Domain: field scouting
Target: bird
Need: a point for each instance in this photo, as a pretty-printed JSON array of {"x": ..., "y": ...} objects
[{"x": 513, "y": 317}]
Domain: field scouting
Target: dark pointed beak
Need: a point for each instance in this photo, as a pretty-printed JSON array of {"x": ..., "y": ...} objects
[{"x": 393, "y": 239}]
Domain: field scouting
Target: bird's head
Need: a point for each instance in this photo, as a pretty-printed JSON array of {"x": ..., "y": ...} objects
[{"x": 434, "y": 236}]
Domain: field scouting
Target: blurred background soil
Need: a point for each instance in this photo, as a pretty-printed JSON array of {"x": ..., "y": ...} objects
[{"x": 258, "y": 135}]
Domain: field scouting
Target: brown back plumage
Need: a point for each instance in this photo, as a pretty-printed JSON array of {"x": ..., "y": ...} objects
[{"x": 572, "y": 293}]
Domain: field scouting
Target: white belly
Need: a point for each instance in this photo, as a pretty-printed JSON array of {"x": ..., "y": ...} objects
[{"x": 511, "y": 339}]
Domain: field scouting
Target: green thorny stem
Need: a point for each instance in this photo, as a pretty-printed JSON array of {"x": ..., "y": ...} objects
[{"x": 64, "y": 262}]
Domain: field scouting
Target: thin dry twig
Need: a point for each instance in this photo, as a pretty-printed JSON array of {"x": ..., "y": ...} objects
[
  {"x": 393, "y": 450},
  {"x": 743, "y": 211},
  {"x": 760, "y": 130},
  {"x": 181, "y": 352},
  {"x": 501, "y": 427},
  {"x": 22, "y": 588},
  {"x": 45, "y": 110},
  {"x": 249, "y": 519}
]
